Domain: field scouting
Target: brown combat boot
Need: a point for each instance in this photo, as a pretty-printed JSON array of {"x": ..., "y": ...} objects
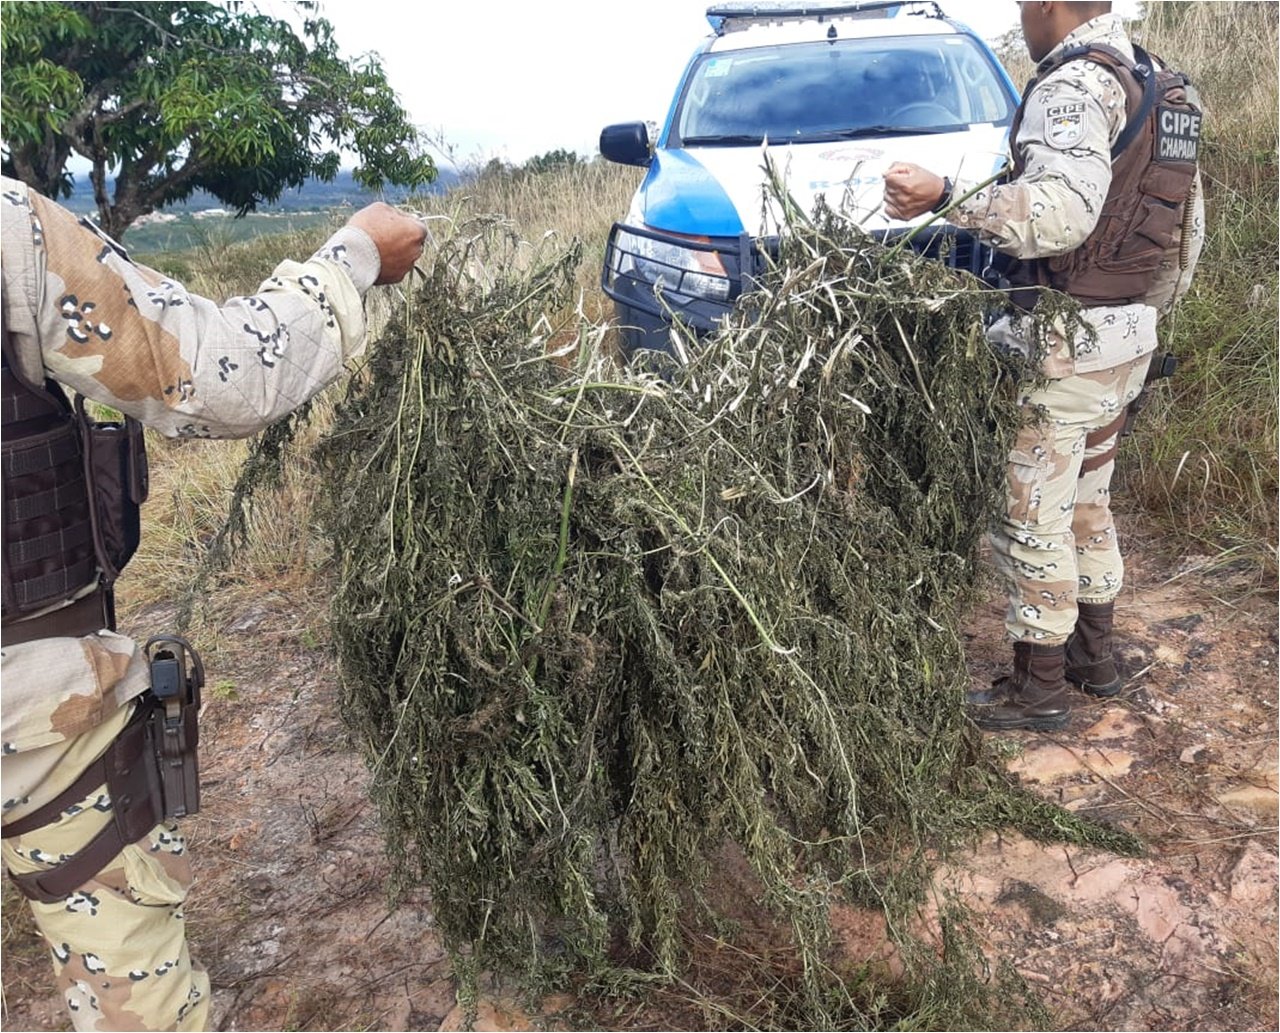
[
  {"x": 1035, "y": 696},
  {"x": 1090, "y": 664}
]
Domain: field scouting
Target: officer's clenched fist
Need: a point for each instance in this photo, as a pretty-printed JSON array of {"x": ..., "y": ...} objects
[
  {"x": 398, "y": 237},
  {"x": 910, "y": 190}
]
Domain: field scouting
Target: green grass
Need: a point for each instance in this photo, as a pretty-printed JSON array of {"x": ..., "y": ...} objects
[{"x": 1203, "y": 462}]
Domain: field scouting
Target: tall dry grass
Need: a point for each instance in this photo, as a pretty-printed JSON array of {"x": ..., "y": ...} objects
[
  {"x": 580, "y": 202},
  {"x": 1204, "y": 461}
]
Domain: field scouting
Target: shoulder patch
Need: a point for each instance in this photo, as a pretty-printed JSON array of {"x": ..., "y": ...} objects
[{"x": 1064, "y": 124}]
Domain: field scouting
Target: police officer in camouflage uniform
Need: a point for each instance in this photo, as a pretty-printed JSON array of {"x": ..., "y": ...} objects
[
  {"x": 78, "y": 313},
  {"x": 1103, "y": 204}
]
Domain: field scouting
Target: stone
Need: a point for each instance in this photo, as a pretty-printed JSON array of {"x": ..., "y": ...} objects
[
  {"x": 1159, "y": 912},
  {"x": 1253, "y": 878},
  {"x": 1192, "y": 754},
  {"x": 1046, "y": 764},
  {"x": 1114, "y": 724},
  {"x": 1051, "y": 763},
  {"x": 1041, "y": 908},
  {"x": 502, "y": 1014},
  {"x": 1259, "y": 799},
  {"x": 863, "y": 936},
  {"x": 1103, "y": 882},
  {"x": 492, "y": 1016}
]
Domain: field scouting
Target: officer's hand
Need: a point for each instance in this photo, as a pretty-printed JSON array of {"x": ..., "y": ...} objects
[
  {"x": 910, "y": 190},
  {"x": 398, "y": 237}
]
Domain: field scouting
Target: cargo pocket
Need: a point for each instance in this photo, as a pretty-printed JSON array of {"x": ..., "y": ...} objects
[
  {"x": 1027, "y": 475},
  {"x": 157, "y": 869}
]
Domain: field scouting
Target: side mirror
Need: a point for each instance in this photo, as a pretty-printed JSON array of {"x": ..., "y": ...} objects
[{"x": 627, "y": 143}]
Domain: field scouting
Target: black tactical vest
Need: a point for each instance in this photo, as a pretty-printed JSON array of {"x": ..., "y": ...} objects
[{"x": 72, "y": 488}]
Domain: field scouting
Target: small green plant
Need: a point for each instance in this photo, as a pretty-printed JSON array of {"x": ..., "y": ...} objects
[{"x": 1004, "y": 749}]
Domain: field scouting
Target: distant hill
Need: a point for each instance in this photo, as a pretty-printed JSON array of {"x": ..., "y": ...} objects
[{"x": 313, "y": 196}]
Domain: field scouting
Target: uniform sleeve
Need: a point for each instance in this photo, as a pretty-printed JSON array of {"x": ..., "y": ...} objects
[
  {"x": 1065, "y": 138},
  {"x": 127, "y": 336}
]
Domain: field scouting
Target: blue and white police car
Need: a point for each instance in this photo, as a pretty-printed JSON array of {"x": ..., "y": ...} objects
[{"x": 834, "y": 93}]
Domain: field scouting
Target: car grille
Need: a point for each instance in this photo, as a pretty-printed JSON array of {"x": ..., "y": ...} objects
[{"x": 958, "y": 249}]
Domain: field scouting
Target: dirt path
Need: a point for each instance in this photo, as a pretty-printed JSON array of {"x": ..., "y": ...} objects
[{"x": 290, "y": 917}]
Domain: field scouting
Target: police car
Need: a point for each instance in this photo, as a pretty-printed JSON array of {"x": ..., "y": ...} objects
[{"x": 833, "y": 94}]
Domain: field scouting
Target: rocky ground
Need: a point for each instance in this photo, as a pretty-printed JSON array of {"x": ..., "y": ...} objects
[
  {"x": 289, "y": 913},
  {"x": 1184, "y": 937}
]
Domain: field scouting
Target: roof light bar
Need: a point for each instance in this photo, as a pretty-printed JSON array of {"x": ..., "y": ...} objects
[{"x": 729, "y": 16}]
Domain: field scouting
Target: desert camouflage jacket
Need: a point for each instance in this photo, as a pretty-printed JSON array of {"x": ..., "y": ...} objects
[
  {"x": 1073, "y": 117},
  {"x": 77, "y": 310}
]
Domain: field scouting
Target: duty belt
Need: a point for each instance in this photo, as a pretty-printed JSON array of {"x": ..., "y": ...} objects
[
  {"x": 84, "y": 616},
  {"x": 149, "y": 774},
  {"x": 129, "y": 776}
]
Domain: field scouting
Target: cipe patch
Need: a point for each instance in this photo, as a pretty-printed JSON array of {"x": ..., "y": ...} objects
[
  {"x": 1177, "y": 135},
  {"x": 1066, "y": 124}
]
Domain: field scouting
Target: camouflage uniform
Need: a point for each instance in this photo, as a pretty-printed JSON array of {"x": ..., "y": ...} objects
[
  {"x": 78, "y": 311},
  {"x": 1057, "y": 541}
]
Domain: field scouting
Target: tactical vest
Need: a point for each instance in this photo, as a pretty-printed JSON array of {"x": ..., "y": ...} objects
[
  {"x": 72, "y": 488},
  {"x": 1153, "y": 171}
]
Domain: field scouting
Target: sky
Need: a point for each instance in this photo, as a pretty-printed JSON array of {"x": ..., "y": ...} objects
[
  {"x": 515, "y": 78},
  {"x": 511, "y": 79}
]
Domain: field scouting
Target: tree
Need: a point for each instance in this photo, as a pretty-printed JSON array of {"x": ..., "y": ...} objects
[
  {"x": 178, "y": 97},
  {"x": 552, "y": 161}
]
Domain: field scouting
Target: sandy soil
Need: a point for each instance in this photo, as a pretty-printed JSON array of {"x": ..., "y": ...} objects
[{"x": 290, "y": 916}]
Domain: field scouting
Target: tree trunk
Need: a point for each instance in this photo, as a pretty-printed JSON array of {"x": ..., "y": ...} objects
[
  {"x": 40, "y": 166},
  {"x": 98, "y": 177},
  {"x": 129, "y": 203},
  {"x": 116, "y": 218}
]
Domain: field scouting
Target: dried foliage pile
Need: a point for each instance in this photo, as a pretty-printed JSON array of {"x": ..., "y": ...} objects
[{"x": 596, "y": 622}]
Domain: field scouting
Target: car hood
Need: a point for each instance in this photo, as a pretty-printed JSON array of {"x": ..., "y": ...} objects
[{"x": 719, "y": 191}]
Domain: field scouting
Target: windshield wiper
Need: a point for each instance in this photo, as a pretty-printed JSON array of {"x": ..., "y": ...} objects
[
  {"x": 740, "y": 140},
  {"x": 825, "y": 136},
  {"x": 881, "y": 130}
]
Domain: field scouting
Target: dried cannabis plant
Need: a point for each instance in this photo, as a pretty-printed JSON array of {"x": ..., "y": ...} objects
[{"x": 595, "y": 622}]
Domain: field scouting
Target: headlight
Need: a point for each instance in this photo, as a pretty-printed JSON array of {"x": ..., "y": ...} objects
[{"x": 684, "y": 273}]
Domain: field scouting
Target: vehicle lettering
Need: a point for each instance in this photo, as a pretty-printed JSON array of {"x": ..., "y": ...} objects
[
  {"x": 852, "y": 181},
  {"x": 851, "y": 154}
]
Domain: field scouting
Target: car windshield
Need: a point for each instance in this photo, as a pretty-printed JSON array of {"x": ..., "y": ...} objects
[{"x": 839, "y": 90}]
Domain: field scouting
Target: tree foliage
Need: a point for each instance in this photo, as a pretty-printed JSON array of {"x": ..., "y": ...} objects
[
  {"x": 495, "y": 170},
  {"x": 553, "y": 161},
  {"x": 179, "y": 97}
]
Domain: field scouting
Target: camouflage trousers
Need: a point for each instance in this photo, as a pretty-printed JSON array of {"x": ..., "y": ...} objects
[
  {"x": 1056, "y": 543},
  {"x": 119, "y": 941}
]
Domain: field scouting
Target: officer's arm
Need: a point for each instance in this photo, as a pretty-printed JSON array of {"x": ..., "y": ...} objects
[
  {"x": 1054, "y": 205},
  {"x": 124, "y": 335}
]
